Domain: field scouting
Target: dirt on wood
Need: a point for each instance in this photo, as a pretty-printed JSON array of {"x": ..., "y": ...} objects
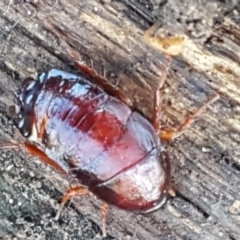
[{"x": 108, "y": 35}]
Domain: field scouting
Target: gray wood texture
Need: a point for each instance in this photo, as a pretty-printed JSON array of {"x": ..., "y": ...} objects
[{"x": 109, "y": 36}]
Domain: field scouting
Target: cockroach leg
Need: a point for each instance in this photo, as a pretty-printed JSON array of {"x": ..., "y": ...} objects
[
  {"x": 169, "y": 135},
  {"x": 82, "y": 191},
  {"x": 103, "y": 212},
  {"x": 158, "y": 97},
  {"x": 99, "y": 80},
  {"x": 72, "y": 192},
  {"x": 33, "y": 151},
  {"x": 10, "y": 145}
]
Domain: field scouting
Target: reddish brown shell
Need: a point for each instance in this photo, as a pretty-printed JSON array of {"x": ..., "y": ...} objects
[{"x": 112, "y": 150}]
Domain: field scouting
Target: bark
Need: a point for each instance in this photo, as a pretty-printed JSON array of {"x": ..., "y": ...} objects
[{"x": 109, "y": 36}]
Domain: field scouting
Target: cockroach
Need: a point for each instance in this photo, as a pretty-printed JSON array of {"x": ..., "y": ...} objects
[{"x": 90, "y": 131}]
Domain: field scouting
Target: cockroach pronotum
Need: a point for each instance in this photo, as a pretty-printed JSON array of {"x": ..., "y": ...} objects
[{"x": 89, "y": 130}]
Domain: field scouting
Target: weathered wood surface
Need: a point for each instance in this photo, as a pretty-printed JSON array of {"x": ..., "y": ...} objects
[{"x": 108, "y": 34}]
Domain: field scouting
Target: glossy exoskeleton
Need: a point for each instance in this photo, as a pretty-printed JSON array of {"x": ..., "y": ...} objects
[
  {"x": 90, "y": 131},
  {"x": 110, "y": 149}
]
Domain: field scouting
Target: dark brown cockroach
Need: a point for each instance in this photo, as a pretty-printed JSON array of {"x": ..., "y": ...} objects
[{"x": 79, "y": 128}]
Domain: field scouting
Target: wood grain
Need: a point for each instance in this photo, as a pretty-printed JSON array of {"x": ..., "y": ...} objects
[{"x": 109, "y": 36}]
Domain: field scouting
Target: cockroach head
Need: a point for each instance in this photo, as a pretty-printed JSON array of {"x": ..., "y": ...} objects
[{"x": 26, "y": 96}]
